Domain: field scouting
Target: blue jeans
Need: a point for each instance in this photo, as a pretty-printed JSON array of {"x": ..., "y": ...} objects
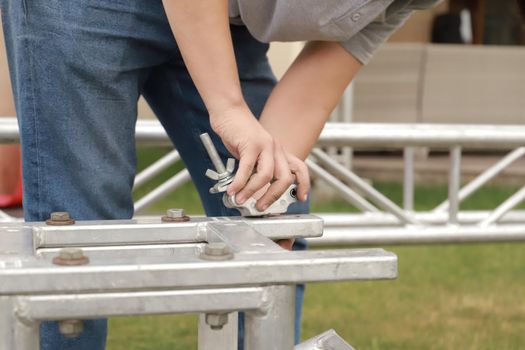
[{"x": 77, "y": 69}]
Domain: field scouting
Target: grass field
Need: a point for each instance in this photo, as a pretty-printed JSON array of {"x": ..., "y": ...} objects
[{"x": 446, "y": 297}]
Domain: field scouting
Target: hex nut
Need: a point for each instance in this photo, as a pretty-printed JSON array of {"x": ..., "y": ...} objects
[
  {"x": 60, "y": 218},
  {"x": 175, "y": 215},
  {"x": 216, "y": 251},
  {"x": 217, "y": 320},
  {"x": 71, "y": 328},
  {"x": 70, "y": 257}
]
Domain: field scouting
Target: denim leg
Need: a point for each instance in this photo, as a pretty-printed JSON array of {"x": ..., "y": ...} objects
[
  {"x": 176, "y": 102},
  {"x": 76, "y": 68}
]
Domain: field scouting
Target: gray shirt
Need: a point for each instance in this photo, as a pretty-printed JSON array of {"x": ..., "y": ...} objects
[{"x": 359, "y": 25}]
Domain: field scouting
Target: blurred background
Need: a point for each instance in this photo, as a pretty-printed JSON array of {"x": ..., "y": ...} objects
[{"x": 461, "y": 63}]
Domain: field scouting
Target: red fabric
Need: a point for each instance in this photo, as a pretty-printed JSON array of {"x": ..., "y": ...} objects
[{"x": 13, "y": 199}]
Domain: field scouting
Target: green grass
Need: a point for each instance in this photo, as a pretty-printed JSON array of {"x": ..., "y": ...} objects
[{"x": 446, "y": 297}]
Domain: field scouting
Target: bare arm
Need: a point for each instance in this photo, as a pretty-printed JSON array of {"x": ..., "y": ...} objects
[
  {"x": 304, "y": 98},
  {"x": 202, "y": 31}
]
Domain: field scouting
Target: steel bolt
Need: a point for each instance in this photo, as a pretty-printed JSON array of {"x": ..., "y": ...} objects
[
  {"x": 175, "y": 215},
  {"x": 59, "y": 218},
  {"x": 216, "y": 251},
  {"x": 216, "y": 321},
  {"x": 71, "y": 328},
  {"x": 70, "y": 257}
]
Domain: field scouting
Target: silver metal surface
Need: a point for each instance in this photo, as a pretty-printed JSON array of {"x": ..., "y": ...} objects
[
  {"x": 274, "y": 321},
  {"x": 163, "y": 190},
  {"x": 408, "y": 179},
  {"x": 152, "y": 231},
  {"x": 485, "y": 177},
  {"x": 454, "y": 184},
  {"x": 375, "y": 135},
  {"x": 218, "y": 339},
  {"x": 156, "y": 168},
  {"x": 419, "y": 235},
  {"x": 222, "y": 174},
  {"x": 246, "y": 269},
  {"x": 93, "y": 305},
  {"x": 376, "y": 196},
  {"x": 328, "y": 340},
  {"x": 347, "y": 193},
  {"x": 280, "y": 206},
  {"x": 505, "y": 207}
]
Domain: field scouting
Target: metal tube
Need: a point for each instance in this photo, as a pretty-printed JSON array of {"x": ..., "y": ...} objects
[
  {"x": 374, "y": 135},
  {"x": 274, "y": 324},
  {"x": 163, "y": 190},
  {"x": 212, "y": 152},
  {"x": 505, "y": 207},
  {"x": 218, "y": 339},
  {"x": 454, "y": 183},
  {"x": 156, "y": 168},
  {"x": 92, "y": 305},
  {"x": 485, "y": 177},
  {"x": 382, "y": 219},
  {"x": 355, "y": 180},
  {"x": 408, "y": 179},
  {"x": 16, "y": 334},
  {"x": 419, "y": 235},
  {"x": 347, "y": 193}
]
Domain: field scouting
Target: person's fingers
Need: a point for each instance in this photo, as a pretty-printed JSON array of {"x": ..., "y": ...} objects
[
  {"x": 283, "y": 178},
  {"x": 245, "y": 170},
  {"x": 300, "y": 170},
  {"x": 264, "y": 174},
  {"x": 285, "y": 243}
]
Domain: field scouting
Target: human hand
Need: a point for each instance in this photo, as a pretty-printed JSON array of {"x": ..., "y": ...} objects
[{"x": 257, "y": 150}]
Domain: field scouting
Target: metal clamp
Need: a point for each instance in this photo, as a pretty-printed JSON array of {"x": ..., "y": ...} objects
[{"x": 224, "y": 176}]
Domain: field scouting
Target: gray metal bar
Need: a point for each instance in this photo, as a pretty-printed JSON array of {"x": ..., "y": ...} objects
[
  {"x": 275, "y": 323},
  {"x": 163, "y": 190},
  {"x": 375, "y": 135},
  {"x": 328, "y": 340},
  {"x": 16, "y": 334},
  {"x": 151, "y": 231},
  {"x": 505, "y": 207},
  {"x": 88, "y": 306},
  {"x": 485, "y": 177},
  {"x": 347, "y": 193},
  {"x": 156, "y": 168},
  {"x": 419, "y": 235},
  {"x": 376, "y": 196},
  {"x": 161, "y": 273},
  {"x": 471, "y": 217},
  {"x": 408, "y": 178},
  {"x": 454, "y": 184},
  {"x": 218, "y": 339}
]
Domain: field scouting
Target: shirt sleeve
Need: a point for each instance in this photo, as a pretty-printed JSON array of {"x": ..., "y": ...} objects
[{"x": 363, "y": 44}]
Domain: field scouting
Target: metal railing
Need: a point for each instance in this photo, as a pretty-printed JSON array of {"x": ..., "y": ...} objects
[{"x": 381, "y": 221}]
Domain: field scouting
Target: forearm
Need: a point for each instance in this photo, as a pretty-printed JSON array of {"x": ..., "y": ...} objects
[
  {"x": 203, "y": 36},
  {"x": 302, "y": 101}
]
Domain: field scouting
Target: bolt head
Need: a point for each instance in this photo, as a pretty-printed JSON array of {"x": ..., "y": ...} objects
[
  {"x": 175, "y": 213},
  {"x": 216, "y": 249},
  {"x": 71, "y": 328},
  {"x": 60, "y": 216},
  {"x": 216, "y": 321},
  {"x": 71, "y": 253}
]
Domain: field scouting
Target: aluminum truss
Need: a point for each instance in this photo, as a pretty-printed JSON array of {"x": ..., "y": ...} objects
[
  {"x": 381, "y": 221},
  {"x": 211, "y": 266}
]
